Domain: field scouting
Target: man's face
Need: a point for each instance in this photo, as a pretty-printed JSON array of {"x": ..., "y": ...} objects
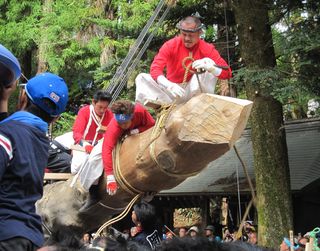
[
  {"x": 134, "y": 218},
  {"x": 182, "y": 232},
  {"x": 189, "y": 38},
  {"x": 193, "y": 233},
  {"x": 209, "y": 233},
  {"x": 125, "y": 125},
  {"x": 100, "y": 107}
]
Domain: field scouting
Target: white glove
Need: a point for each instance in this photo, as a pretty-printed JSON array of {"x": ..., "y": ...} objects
[
  {"x": 207, "y": 64},
  {"x": 173, "y": 88},
  {"x": 112, "y": 186},
  {"x": 134, "y": 131}
]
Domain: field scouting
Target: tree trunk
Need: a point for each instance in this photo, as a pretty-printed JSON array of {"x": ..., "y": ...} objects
[
  {"x": 268, "y": 133},
  {"x": 43, "y": 45},
  {"x": 194, "y": 134}
]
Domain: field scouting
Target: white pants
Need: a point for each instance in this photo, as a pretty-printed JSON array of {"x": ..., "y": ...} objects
[
  {"x": 92, "y": 167},
  {"x": 148, "y": 89}
]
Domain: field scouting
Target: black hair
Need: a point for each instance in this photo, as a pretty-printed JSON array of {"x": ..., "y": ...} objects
[
  {"x": 6, "y": 76},
  {"x": 202, "y": 243},
  {"x": 123, "y": 245},
  {"x": 188, "y": 244},
  {"x": 34, "y": 109},
  {"x": 241, "y": 246},
  {"x": 191, "y": 19},
  {"x": 146, "y": 215},
  {"x": 102, "y": 95},
  {"x": 65, "y": 238}
]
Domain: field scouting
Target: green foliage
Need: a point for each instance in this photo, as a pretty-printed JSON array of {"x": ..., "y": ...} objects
[
  {"x": 63, "y": 124},
  {"x": 85, "y": 42},
  {"x": 297, "y": 47},
  {"x": 19, "y": 20}
]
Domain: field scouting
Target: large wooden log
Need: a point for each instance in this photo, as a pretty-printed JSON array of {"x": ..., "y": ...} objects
[{"x": 194, "y": 134}]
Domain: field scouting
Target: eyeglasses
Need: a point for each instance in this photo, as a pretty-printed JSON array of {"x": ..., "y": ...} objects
[{"x": 20, "y": 84}]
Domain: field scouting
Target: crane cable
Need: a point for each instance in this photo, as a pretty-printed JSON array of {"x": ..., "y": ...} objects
[{"x": 118, "y": 82}]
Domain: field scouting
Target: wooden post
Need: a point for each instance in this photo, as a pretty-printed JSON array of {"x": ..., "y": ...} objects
[{"x": 291, "y": 240}]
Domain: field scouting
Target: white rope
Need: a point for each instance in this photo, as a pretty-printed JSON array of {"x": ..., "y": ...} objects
[{"x": 238, "y": 187}]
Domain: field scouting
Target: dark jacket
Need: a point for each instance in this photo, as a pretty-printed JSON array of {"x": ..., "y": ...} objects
[
  {"x": 151, "y": 240},
  {"x": 23, "y": 158}
]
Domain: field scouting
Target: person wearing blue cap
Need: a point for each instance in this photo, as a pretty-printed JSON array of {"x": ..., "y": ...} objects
[
  {"x": 10, "y": 71},
  {"x": 23, "y": 158},
  {"x": 128, "y": 119},
  {"x": 286, "y": 245}
]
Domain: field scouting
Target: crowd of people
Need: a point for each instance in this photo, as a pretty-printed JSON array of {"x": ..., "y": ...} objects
[{"x": 145, "y": 235}]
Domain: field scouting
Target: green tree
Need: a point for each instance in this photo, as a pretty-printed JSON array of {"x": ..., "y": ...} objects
[{"x": 271, "y": 166}]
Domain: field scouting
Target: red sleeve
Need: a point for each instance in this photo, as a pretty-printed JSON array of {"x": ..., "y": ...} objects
[
  {"x": 159, "y": 62},
  {"x": 215, "y": 56},
  {"x": 147, "y": 121},
  {"x": 80, "y": 123},
  {"x": 111, "y": 137}
]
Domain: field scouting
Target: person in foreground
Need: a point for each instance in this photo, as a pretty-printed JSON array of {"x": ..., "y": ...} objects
[
  {"x": 144, "y": 217},
  {"x": 10, "y": 72},
  {"x": 23, "y": 158}
]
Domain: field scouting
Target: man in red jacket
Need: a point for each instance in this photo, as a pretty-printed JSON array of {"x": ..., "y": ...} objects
[
  {"x": 90, "y": 119},
  {"x": 129, "y": 118},
  {"x": 185, "y": 50},
  {"x": 87, "y": 126}
]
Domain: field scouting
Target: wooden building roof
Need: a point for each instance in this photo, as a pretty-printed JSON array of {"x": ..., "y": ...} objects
[{"x": 224, "y": 175}]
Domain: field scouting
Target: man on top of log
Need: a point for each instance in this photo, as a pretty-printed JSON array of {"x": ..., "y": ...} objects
[
  {"x": 128, "y": 119},
  {"x": 23, "y": 158},
  {"x": 90, "y": 125},
  {"x": 192, "y": 66}
]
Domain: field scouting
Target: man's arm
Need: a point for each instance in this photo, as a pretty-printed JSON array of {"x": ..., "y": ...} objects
[
  {"x": 80, "y": 125},
  {"x": 160, "y": 62},
  {"x": 212, "y": 61},
  {"x": 109, "y": 142},
  {"x": 148, "y": 121},
  {"x": 5, "y": 154}
]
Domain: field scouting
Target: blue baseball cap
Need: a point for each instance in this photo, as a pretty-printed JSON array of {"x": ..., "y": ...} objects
[
  {"x": 8, "y": 60},
  {"x": 288, "y": 243},
  {"x": 48, "y": 86},
  {"x": 122, "y": 118}
]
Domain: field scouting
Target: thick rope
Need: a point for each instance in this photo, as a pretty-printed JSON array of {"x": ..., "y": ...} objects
[
  {"x": 161, "y": 121},
  {"x": 124, "y": 184},
  {"x": 247, "y": 175},
  {"x": 166, "y": 110},
  {"x": 119, "y": 217},
  {"x": 157, "y": 128}
]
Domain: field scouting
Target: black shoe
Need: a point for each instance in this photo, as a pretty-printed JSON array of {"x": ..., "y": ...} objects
[{"x": 93, "y": 198}]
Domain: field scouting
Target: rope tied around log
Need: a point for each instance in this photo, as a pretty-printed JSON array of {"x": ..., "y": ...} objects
[
  {"x": 165, "y": 110},
  {"x": 124, "y": 184},
  {"x": 162, "y": 118},
  {"x": 119, "y": 217}
]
